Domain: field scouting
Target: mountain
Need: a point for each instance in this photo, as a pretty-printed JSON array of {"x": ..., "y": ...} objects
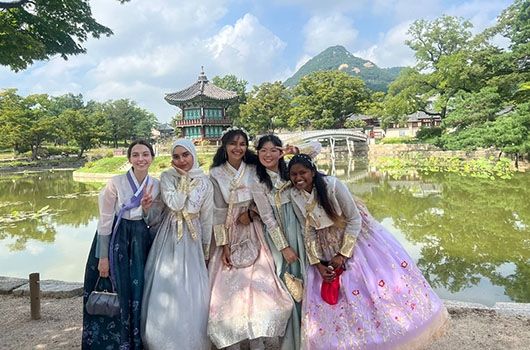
[{"x": 337, "y": 57}]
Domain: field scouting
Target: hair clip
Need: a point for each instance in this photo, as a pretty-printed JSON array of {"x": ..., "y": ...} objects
[{"x": 233, "y": 128}]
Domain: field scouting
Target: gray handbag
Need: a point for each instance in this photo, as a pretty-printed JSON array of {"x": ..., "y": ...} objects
[{"x": 103, "y": 303}]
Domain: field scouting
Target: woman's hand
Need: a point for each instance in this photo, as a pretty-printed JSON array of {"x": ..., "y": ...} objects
[
  {"x": 179, "y": 170},
  {"x": 147, "y": 199},
  {"x": 289, "y": 255},
  {"x": 337, "y": 261},
  {"x": 225, "y": 257},
  {"x": 326, "y": 272},
  {"x": 290, "y": 149},
  {"x": 103, "y": 267}
]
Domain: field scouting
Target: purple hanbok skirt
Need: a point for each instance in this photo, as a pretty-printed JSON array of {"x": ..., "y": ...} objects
[{"x": 384, "y": 300}]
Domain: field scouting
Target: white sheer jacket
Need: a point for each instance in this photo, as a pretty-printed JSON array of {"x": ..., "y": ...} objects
[
  {"x": 192, "y": 201},
  {"x": 313, "y": 217},
  {"x": 113, "y": 196}
]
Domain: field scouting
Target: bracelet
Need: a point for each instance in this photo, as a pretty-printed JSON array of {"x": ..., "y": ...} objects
[{"x": 249, "y": 216}]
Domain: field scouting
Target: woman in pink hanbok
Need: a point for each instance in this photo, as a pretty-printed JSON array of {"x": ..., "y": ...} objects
[
  {"x": 247, "y": 298},
  {"x": 376, "y": 297}
]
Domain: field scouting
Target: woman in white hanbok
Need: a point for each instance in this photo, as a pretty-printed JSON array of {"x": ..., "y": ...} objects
[{"x": 177, "y": 294}]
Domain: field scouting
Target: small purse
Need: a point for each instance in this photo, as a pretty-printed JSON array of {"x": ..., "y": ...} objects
[
  {"x": 244, "y": 254},
  {"x": 103, "y": 303},
  {"x": 329, "y": 291},
  {"x": 295, "y": 285}
]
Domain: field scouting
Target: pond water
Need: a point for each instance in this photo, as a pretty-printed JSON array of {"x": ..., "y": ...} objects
[{"x": 470, "y": 237}]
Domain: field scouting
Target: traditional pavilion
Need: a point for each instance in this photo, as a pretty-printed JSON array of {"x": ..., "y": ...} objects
[{"x": 203, "y": 108}]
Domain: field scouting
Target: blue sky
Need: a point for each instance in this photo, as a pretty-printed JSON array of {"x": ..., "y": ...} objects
[{"x": 159, "y": 46}]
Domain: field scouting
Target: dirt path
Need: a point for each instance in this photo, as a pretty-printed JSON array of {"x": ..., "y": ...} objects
[{"x": 60, "y": 327}]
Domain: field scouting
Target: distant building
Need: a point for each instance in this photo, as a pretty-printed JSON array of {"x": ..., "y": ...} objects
[
  {"x": 165, "y": 130},
  {"x": 203, "y": 108},
  {"x": 415, "y": 122},
  {"x": 371, "y": 121}
]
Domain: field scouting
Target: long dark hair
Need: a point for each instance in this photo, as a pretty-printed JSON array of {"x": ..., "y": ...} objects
[
  {"x": 318, "y": 182},
  {"x": 140, "y": 142},
  {"x": 261, "y": 171},
  {"x": 221, "y": 156}
]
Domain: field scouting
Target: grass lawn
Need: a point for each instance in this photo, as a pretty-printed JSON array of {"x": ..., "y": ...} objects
[{"x": 117, "y": 164}]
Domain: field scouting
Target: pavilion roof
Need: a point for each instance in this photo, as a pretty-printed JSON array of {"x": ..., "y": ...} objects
[{"x": 201, "y": 89}]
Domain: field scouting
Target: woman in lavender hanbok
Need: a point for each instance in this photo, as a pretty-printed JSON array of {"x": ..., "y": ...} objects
[
  {"x": 384, "y": 302},
  {"x": 247, "y": 298},
  {"x": 176, "y": 292}
]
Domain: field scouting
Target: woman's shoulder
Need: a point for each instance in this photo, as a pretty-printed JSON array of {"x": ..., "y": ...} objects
[
  {"x": 216, "y": 170},
  {"x": 170, "y": 172}
]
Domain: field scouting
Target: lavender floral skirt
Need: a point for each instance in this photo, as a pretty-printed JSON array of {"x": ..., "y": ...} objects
[{"x": 384, "y": 301}]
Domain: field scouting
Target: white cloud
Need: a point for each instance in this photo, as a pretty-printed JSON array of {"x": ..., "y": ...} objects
[
  {"x": 247, "y": 49},
  {"x": 390, "y": 50},
  {"x": 323, "y": 7},
  {"x": 323, "y": 32}
]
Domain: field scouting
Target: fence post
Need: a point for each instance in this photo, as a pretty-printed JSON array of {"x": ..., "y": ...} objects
[{"x": 34, "y": 295}]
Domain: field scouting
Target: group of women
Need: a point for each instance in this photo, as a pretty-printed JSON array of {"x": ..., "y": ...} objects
[{"x": 199, "y": 261}]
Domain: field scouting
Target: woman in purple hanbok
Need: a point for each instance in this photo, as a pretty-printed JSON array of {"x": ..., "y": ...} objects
[{"x": 384, "y": 302}]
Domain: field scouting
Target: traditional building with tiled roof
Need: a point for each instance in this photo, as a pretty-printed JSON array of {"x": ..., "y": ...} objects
[{"x": 203, "y": 108}]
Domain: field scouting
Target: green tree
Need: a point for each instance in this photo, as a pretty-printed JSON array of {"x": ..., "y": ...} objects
[
  {"x": 83, "y": 127},
  {"x": 11, "y": 112},
  {"x": 358, "y": 123},
  {"x": 266, "y": 109},
  {"x": 232, "y": 83},
  {"x": 27, "y": 121},
  {"x": 473, "y": 108},
  {"x": 126, "y": 121},
  {"x": 325, "y": 99},
  {"x": 433, "y": 40},
  {"x": 449, "y": 59},
  {"x": 39, "y": 29}
]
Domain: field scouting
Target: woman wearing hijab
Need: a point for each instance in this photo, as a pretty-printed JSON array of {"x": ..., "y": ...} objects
[{"x": 177, "y": 294}]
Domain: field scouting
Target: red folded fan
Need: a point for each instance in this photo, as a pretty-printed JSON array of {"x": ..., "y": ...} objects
[{"x": 330, "y": 290}]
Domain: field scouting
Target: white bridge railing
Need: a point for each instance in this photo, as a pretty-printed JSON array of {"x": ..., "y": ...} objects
[{"x": 331, "y": 135}]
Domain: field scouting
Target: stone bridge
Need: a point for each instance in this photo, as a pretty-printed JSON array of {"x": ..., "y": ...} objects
[{"x": 329, "y": 136}]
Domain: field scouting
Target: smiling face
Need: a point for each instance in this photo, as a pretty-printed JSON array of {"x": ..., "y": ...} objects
[
  {"x": 269, "y": 155},
  {"x": 301, "y": 177},
  {"x": 141, "y": 157},
  {"x": 182, "y": 158},
  {"x": 236, "y": 148}
]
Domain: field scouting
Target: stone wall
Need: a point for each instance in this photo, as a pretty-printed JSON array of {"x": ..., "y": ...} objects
[{"x": 399, "y": 150}]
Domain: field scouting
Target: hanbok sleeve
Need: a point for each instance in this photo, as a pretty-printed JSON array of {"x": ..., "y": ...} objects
[
  {"x": 206, "y": 219},
  {"x": 174, "y": 190},
  {"x": 352, "y": 217},
  {"x": 220, "y": 210},
  {"x": 310, "y": 236},
  {"x": 107, "y": 203},
  {"x": 311, "y": 148},
  {"x": 266, "y": 213},
  {"x": 153, "y": 217}
]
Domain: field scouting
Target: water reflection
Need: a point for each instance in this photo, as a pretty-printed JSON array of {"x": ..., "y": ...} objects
[
  {"x": 33, "y": 205},
  {"x": 471, "y": 237}
]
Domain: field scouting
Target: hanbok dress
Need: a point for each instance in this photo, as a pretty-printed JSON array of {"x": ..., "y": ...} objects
[
  {"x": 124, "y": 237},
  {"x": 286, "y": 232},
  {"x": 176, "y": 292},
  {"x": 384, "y": 300},
  {"x": 247, "y": 302}
]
